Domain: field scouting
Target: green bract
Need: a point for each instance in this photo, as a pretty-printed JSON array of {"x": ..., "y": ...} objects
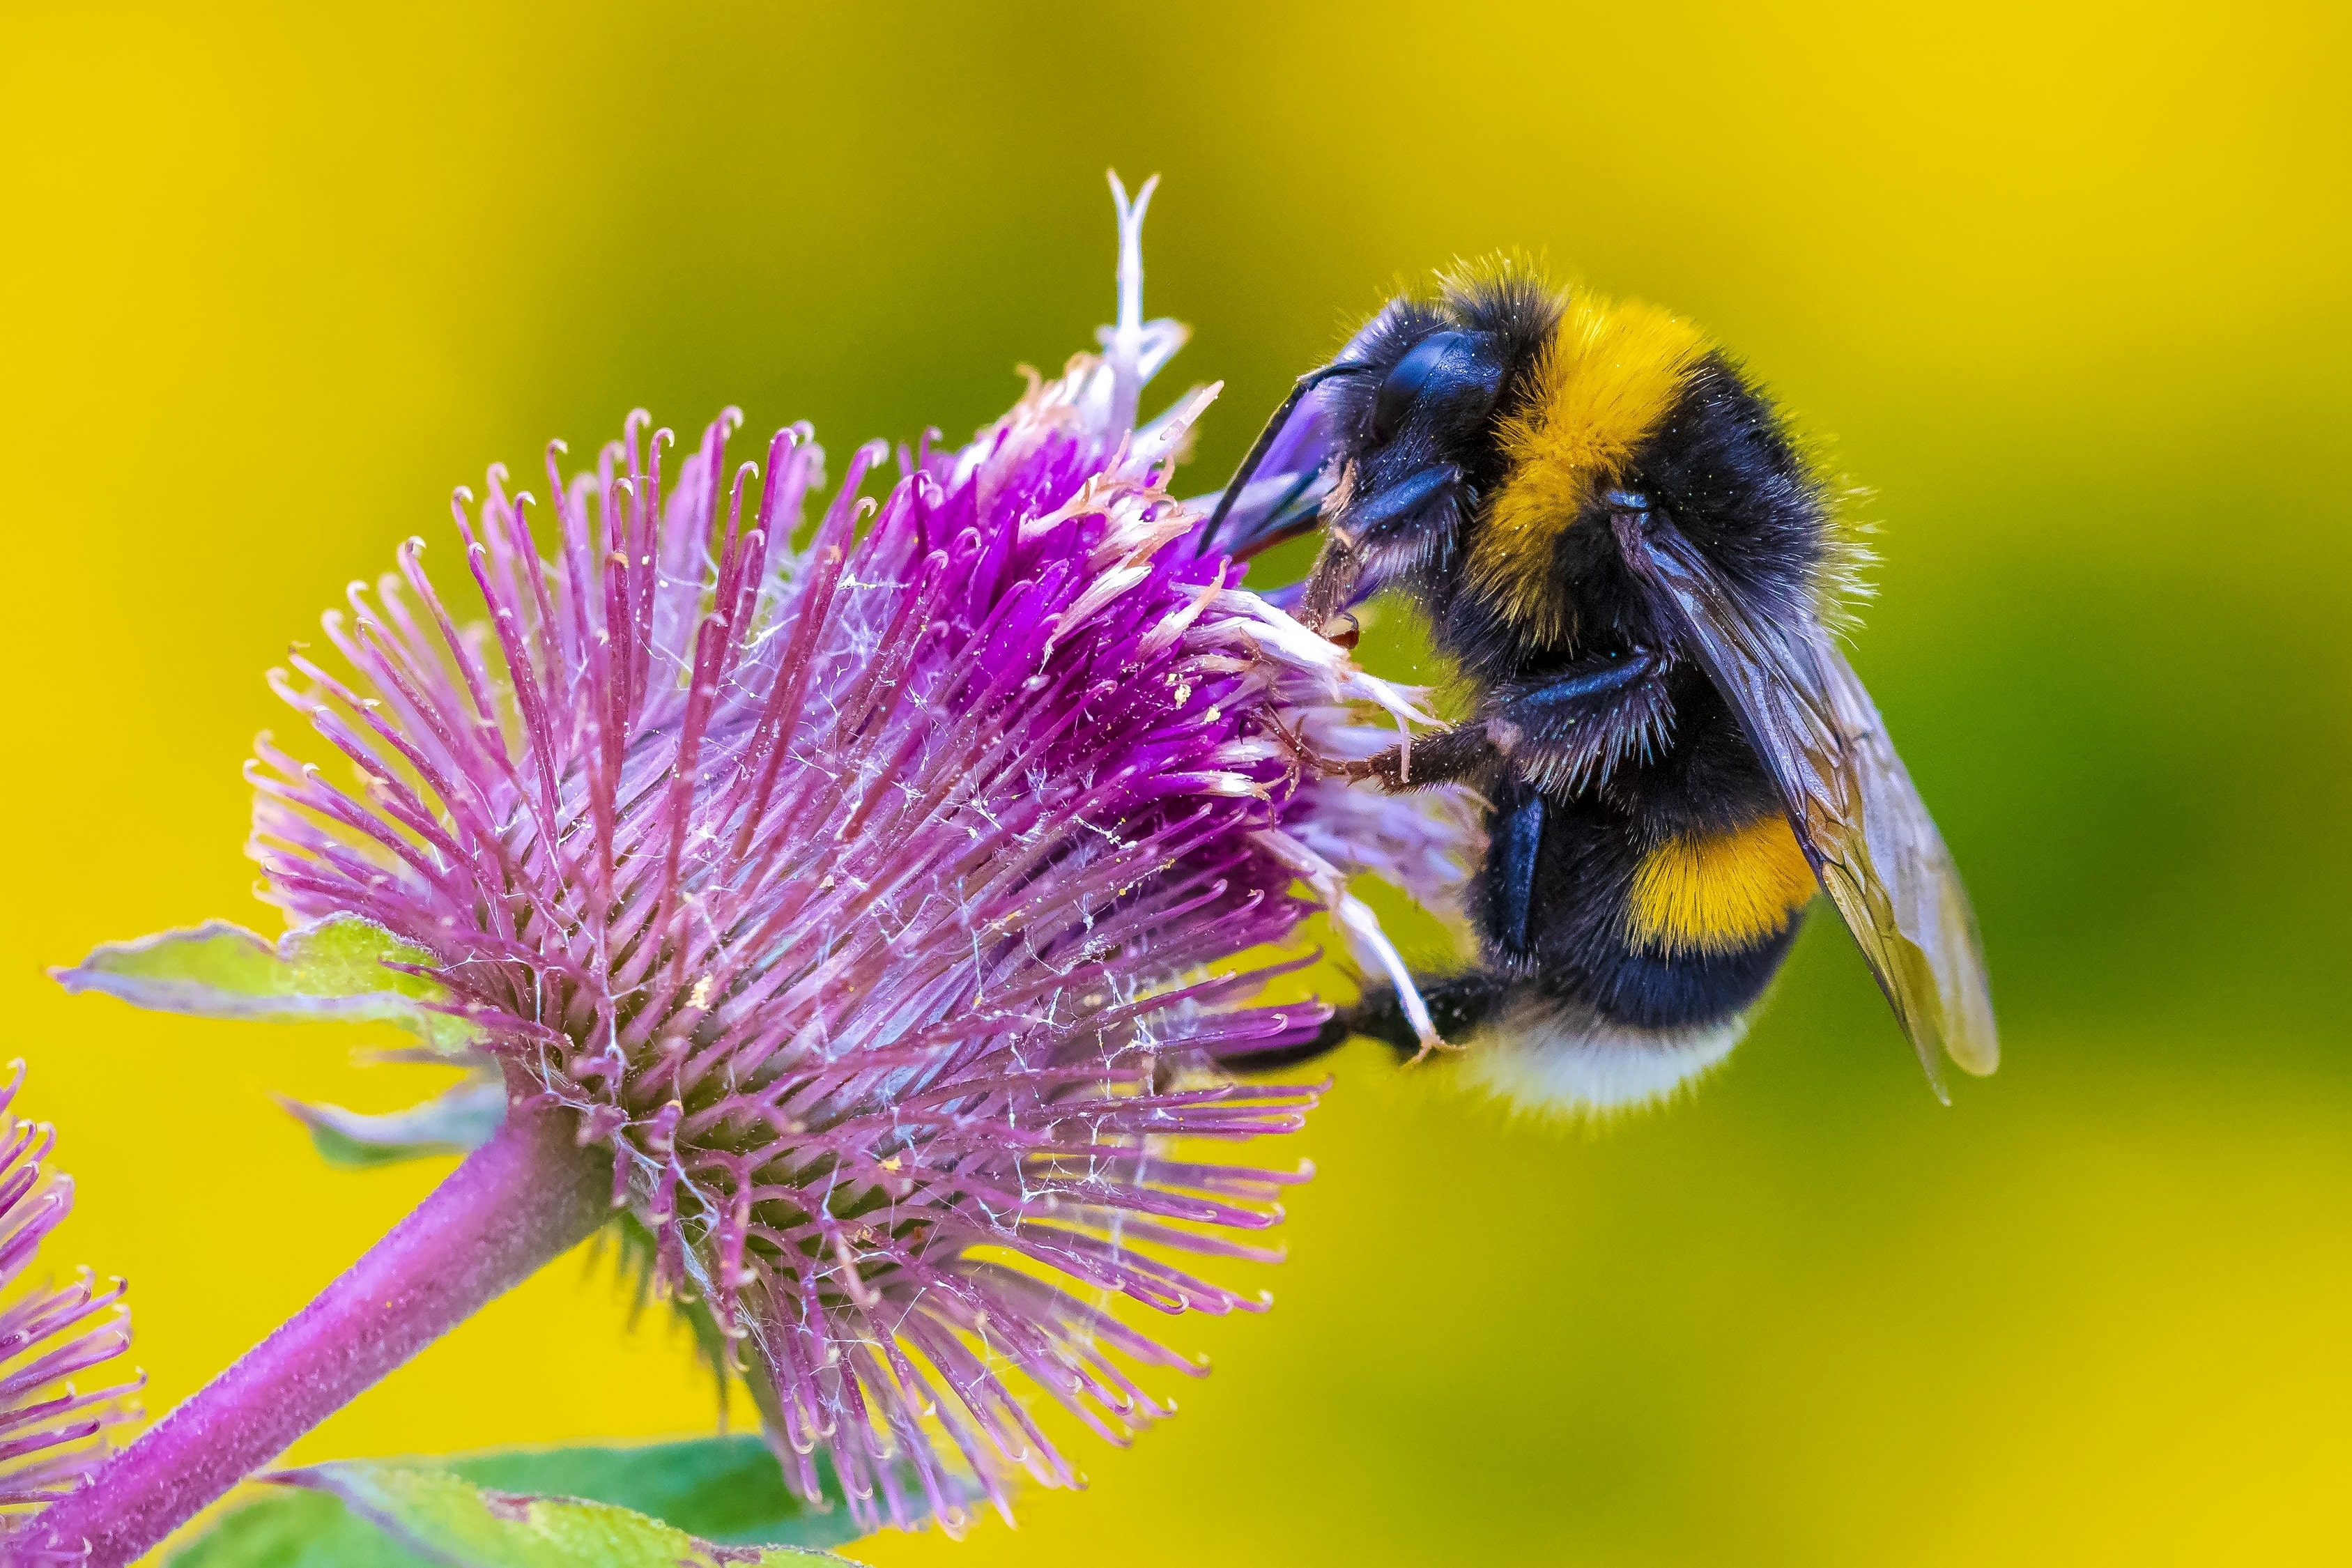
[{"x": 335, "y": 968}]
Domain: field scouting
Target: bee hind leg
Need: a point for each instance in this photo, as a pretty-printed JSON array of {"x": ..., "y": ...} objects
[{"x": 1457, "y": 1005}]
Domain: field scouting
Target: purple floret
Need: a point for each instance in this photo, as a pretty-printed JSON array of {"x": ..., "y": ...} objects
[{"x": 51, "y": 1433}]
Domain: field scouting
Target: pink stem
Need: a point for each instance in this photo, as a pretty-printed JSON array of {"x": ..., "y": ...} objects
[{"x": 517, "y": 1201}]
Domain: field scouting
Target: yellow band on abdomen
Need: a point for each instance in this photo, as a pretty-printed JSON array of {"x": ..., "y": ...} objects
[{"x": 1719, "y": 893}]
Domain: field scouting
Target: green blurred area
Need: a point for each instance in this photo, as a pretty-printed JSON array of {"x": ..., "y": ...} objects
[{"x": 2066, "y": 285}]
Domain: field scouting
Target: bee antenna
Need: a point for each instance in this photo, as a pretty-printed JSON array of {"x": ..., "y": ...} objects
[{"x": 1265, "y": 437}]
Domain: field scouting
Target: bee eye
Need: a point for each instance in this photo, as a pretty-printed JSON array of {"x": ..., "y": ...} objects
[{"x": 1395, "y": 397}]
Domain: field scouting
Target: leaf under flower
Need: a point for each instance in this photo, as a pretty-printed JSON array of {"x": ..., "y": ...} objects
[
  {"x": 455, "y": 1121},
  {"x": 338, "y": 968},
  {"x": 697, "y": 1502}
]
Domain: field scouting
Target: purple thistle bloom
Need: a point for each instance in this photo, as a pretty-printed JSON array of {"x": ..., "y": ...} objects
[
  {"x": 864, "y": 895},
  {"x": 51, "y": 1435}
]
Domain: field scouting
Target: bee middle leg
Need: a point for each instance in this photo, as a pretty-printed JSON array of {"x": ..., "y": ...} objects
[
  {"x": 1562, "y": 730},
  {"x": 1567, "y": 728},
  {"x": 1445, "y": 756}
]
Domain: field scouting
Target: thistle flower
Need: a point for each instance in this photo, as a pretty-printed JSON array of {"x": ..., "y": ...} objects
[
  {"x": 51, "y": 1435},
  {"x": 857, "y": 888}
]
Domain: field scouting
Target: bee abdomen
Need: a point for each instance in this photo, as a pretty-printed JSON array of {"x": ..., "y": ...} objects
[
  {"x": 1523, "y": 1040},
  {"x": 1550, "y": 1053},
  {"x": 1719, "y": 893}
]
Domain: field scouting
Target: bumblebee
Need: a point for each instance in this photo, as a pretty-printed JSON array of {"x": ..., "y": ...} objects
[{"x": 1636, "y": 566}]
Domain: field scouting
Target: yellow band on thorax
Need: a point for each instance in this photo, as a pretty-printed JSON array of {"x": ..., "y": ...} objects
[{"x": 1608, "y": 381}]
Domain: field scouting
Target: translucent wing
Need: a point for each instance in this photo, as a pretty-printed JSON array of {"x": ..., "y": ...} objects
[{"x": 1849, "y": 799}]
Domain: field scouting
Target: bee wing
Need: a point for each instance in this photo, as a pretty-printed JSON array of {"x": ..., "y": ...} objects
[{"x": 1849, "y": 797}]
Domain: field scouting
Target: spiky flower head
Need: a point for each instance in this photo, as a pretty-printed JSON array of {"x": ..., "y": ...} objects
[
  {"x": 51, "y": 1434},
  {"x": 863, "y": 885}
]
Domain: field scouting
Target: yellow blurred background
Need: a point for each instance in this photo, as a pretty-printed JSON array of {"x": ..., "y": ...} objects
[{"x": 2068, "y": 285}]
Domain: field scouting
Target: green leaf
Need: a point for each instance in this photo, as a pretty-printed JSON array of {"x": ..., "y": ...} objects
[
  {"x": 454, "y": 1122},
  {"x": 329, "y": 969},
  {"x": 726, "y": 1491},
  {"x": 448, "y": 1517},
  {"x": 293, "y": 1529}
]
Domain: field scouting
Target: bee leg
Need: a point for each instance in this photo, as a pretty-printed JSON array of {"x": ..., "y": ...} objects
[
  {"x": 1458, "y": 1004},
  {"x": 1568, "y": 730},
  {"x": 1446, "y": 756},
  {"x": 1442, "y": 756},
  {"x": 1517, "y": 837},
  {"x": 1330, "y": 582}
]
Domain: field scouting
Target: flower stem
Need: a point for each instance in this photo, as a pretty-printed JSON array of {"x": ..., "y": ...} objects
[{"x": 516, "y": 1203}]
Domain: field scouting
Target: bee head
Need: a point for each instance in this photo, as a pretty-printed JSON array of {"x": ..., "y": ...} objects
[{"x": 1414, "y": 428}]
